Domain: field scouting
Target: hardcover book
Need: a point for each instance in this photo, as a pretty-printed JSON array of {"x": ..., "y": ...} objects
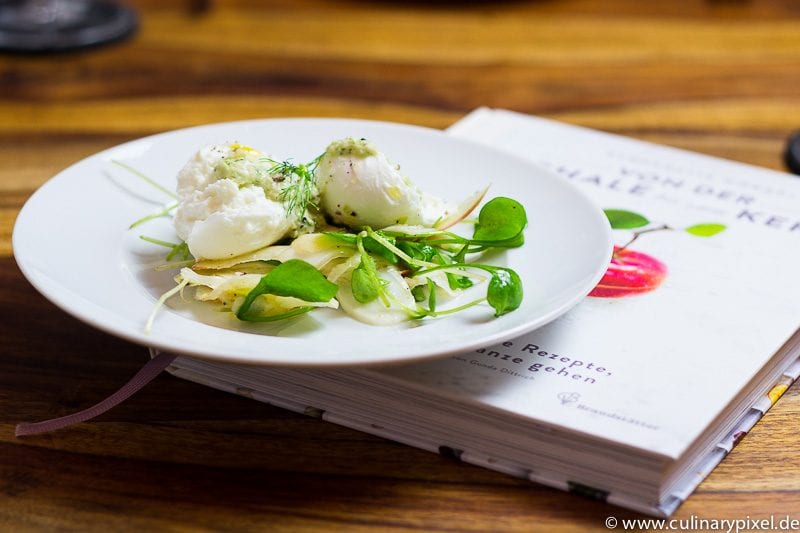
[{"x": 638, "y": 392}]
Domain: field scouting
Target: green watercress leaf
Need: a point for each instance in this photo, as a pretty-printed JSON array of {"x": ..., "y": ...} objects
[
  {"x": 373, "y": 246},
  {"x": 705, "y": 230},
  {"x": 418, "y": 293},
  {"x": 500, "y": 220},
  {"x": 431, "y": 296},
  {"x": 458, "y": 282},
  {"x": 504, "y": 293},
  {"x": 300, "y": 280},
  {"x": 418, "y": 251},
  {"x": 362, "y": 285},
  {"x": 294, "y": 278},
  {"x": 622, "y": 219}
]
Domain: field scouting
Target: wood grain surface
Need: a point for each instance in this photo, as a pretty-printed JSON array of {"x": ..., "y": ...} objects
[{"x": 719, "y": 77}]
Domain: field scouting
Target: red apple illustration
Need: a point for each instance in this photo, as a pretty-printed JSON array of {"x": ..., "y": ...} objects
[{"x": 630, "y": 273}]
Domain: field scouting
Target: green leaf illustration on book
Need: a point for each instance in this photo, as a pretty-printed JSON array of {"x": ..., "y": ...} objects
[
  {"x": 622, "y": 219},
  {"x": 632, "y": 272},
  {"x": 705, "y": 230}
]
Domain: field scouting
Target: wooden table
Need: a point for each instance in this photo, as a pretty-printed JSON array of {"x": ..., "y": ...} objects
[{"x": 720, "y": 77}]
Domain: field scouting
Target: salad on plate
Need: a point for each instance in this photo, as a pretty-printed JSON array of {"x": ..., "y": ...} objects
[{"x": 266, "y": 239}]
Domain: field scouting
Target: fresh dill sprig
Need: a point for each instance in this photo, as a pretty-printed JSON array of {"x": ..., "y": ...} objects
[{"x": 299, "y": 193}]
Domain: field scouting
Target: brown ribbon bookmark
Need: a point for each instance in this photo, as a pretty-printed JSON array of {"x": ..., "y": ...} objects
[{"x": 145, "y": 375}]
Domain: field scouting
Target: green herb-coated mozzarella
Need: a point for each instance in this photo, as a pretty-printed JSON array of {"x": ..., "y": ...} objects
[{"x": 359, "y": 187}]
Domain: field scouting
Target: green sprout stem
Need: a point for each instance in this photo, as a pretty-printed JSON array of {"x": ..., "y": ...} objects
[
  {"x": 153, "y": 240},
  {"x": 422, "y": 312},
  {"x": 145, "y": 178},
  {"x": 397, "y": 251},
  {"x": 158, "y": 214}
]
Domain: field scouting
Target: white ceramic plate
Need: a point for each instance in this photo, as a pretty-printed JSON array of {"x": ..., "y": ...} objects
[{"x": 71, "y": 241}]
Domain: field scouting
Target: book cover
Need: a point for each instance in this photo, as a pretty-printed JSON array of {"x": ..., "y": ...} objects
[{"x": 701, "y": 295}]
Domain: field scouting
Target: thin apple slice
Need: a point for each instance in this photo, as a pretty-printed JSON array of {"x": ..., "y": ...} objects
[{"x": 462, "y": 210}]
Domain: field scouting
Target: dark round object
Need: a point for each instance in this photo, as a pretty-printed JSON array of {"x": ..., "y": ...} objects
[
  {"x": 58, "y": 25},
  {"x": 792, "y": 154}
]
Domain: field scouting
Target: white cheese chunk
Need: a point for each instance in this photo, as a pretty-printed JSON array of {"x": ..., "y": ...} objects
[{"x": 226, "y": 209}]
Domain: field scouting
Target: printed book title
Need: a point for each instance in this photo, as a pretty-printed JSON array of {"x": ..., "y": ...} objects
[{"x": 738, "y": 205}]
